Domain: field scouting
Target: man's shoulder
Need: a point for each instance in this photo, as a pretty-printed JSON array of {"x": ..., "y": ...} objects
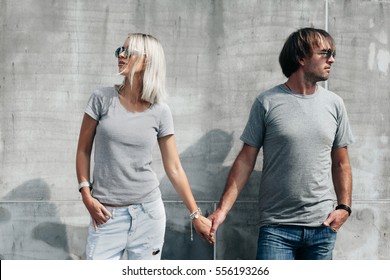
[
  {"x": 330, "y": 95},
  {"x": 270, "y": 93}
]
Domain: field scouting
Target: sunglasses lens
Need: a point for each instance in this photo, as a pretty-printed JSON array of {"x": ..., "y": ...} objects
[
  {"x": 120, "y": 50},
  {"x": 329, "y": 53}
]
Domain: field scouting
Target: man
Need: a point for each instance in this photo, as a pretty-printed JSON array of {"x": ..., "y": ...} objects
[{"x": 304, "y": 131}]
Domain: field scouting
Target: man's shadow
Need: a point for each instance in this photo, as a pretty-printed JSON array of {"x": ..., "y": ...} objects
[{"x": 204, "y": 163}]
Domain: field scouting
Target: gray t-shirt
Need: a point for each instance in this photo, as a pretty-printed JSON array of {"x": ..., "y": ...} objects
[
  {"x": 297, "y": 133},
  {"x": 124, "y": 143}
]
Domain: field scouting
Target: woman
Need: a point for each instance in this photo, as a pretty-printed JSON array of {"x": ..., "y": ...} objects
[{"x": 124, "y": 122}]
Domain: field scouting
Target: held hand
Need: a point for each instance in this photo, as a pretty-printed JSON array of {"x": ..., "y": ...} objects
[
  {"x": 202, "y": 226},
  {"x": 336, "y": 219},
  {"x": 216, "y": 218},
  {"x": 98, "y": 212}
]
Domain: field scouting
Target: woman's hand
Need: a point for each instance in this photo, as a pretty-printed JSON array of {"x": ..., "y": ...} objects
[
  {"x": 202, "y": 226},
  {"x": 98, "y": 212}
]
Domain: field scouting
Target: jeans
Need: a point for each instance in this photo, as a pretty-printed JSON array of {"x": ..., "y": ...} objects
[
  {"x": 138, "y": 229},
  {"x": 282, "y": 242}
]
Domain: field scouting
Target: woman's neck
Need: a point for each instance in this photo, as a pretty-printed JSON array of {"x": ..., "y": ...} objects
[
  {"x": 131, "y": 97},
  {"x": 132, "y": 93}
]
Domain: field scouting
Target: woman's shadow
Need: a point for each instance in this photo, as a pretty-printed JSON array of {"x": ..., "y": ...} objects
[{"x": 32, "y": 225}]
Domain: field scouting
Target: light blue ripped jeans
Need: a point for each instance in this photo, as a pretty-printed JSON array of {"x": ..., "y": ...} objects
[{"x": 138, "y": 229}]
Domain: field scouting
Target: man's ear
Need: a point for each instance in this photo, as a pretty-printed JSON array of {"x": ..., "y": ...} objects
[{"x": 302, "y": 61}]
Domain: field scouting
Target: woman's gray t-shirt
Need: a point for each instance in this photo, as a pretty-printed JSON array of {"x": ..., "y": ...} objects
[
  {"x": 124, "y": 143},
  {"x": 297, "y": 133}
]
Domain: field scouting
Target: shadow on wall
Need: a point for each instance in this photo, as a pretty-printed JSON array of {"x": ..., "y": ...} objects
[
  {"x": 31, "y": 227},
  {"x": 178, "y": 244},
  {"x": 204, "y": 165}
]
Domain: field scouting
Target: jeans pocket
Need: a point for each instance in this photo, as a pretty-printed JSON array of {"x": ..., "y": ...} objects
[
  {"x": 108, "y": 219},
  {"x": 105, "y": 223},
  {"x": 331, "y": 229},
  {"x": 154, "y": 209}
]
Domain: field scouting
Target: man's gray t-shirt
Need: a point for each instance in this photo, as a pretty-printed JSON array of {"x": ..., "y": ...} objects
[
  {"x": 124, "y": 143},
  {"x": 297, "y": 133}
]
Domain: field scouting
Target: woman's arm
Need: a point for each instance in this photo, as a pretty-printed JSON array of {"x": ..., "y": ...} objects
[
  {"x": 179, "y": 180},
  {"x": 87, "y": 135},
  {"x": 84, "y": 149}
]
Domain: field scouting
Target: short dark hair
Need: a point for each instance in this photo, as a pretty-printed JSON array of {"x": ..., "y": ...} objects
[{"x": 300, "y": 45}]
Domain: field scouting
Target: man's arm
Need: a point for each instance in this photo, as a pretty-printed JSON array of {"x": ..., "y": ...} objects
[
  {"x": 342, "y": 175},
  {"x": 342, "y": 181},
  {"x": 238, "y": 176}
]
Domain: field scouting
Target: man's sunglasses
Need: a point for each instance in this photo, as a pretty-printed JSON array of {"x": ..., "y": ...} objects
[{"x": 328, "y": 53}]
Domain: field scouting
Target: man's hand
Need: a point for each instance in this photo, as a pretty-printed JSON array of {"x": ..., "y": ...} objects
[
  {"x": 202, "y": 226},
  {"x": 216, "y": 218},
  {"x": 336, "y": 219}
]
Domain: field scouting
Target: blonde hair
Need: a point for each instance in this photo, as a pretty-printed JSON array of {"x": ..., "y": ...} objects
[{"x": 153, "y": 90}]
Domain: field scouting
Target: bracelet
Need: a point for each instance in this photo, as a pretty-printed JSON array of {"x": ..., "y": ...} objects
[
  {"x": 344, "y": 207},
  {"x": 196, "y": 214},
  {"x": 85, "y": 184}
]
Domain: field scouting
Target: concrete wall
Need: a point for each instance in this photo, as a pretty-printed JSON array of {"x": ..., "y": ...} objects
[{"x": 220, "y": 55}]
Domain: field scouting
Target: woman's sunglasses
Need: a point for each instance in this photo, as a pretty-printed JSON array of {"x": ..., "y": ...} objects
[
  {"x": 120, "y": 50},
  {"x": 127, "y": 52}
]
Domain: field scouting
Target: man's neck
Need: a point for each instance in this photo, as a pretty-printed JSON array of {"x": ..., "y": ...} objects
[{"x": 297, "y": 84}]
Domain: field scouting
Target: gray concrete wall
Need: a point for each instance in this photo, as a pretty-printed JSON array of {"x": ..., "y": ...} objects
[{"x": 220, "y": 55}]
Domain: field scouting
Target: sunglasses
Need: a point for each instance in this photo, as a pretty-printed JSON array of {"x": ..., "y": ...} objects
[
  {"x": 120, "y": 50},
  {"x": 328, "y": 53},
  {"x": 127, "y": 52}
]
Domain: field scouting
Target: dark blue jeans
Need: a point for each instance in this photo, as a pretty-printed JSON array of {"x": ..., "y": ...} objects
[{"x": 279, "y": 242}]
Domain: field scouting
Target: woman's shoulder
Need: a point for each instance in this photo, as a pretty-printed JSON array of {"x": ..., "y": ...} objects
[
  {"x": 161, "y": 106},
  {"x": 104, "y": 91},
  {"x": 161, "y": 110}
]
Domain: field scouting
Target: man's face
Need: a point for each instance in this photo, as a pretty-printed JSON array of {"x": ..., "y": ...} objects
[{"x": 317, "y": 67}]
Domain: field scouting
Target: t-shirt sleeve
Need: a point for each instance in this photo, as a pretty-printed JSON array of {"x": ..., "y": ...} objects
[
  {"x": 344, "y": 136},
  {"x": 166, "y": 126},
  {"x": 253, "y": 133},
  {"x": 94, "y": 106}
]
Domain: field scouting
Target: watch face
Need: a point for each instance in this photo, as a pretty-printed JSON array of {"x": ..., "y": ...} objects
[{"x": 196, "y": 216}]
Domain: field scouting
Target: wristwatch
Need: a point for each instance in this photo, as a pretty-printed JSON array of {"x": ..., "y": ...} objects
[
  {"x": 196, "y": 214},
  {"x": 344, "y": 207}
]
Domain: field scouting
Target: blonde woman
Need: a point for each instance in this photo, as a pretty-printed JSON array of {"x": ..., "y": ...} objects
[{"x": 124, "y": 122}]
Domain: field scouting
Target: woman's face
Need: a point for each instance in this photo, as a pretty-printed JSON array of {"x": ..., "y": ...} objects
[{"x": 128, "y": 58}]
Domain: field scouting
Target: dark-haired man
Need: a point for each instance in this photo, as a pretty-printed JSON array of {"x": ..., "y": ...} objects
[{"x": 304, "y": 131}]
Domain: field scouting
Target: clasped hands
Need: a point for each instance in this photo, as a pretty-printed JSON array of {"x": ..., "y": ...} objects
[{"x": 207, "y": 227}]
